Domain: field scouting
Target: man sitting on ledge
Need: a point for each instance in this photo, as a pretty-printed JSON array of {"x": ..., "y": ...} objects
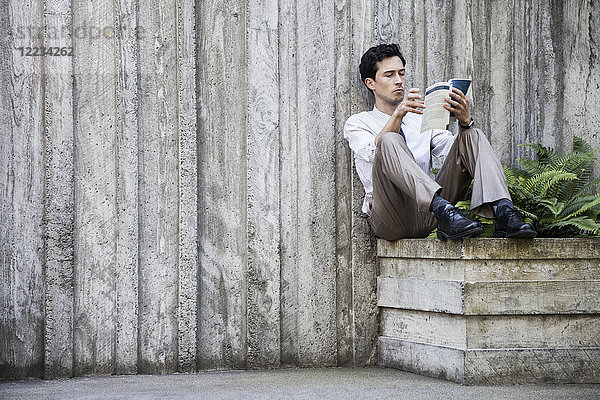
[{"x": 393, "y": 158}]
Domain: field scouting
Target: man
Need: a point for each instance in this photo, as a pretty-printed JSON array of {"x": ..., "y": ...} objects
[{"x": 392, "y": 159}]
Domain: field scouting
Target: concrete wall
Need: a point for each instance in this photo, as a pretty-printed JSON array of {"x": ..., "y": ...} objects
[{"x": 178, "y": 194}]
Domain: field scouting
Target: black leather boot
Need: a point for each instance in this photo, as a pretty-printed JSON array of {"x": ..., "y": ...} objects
[
  {"x": 510, "y": 224},
  {"x": 453, "y": 224}
]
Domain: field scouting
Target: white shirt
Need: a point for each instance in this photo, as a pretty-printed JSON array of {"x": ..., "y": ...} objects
[{"x": 360, "y": 131}]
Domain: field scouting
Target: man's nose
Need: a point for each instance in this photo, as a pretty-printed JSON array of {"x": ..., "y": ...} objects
[{"x": 398, "y": 79}]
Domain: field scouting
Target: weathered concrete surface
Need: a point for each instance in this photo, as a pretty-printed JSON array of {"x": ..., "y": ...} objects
[
  {"x": 95, "y": 189},
  {"x": 179, "y": 196},
  {"x": 490, "y": 298},
  {"x": 59, "y": 200},
  {"x": 22, "y": 173},
  {"x": 491, "y": 332},
  {"x": 492, "y": 249},
  {"x": 524, "y": 314},
  {"x": 491, "y": 367},
  {"x": 332, "y": 383},
  {"x": 492, "y": 270}
]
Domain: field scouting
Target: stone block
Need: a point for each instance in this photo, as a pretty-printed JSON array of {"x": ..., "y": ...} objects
[{"x": 529, "y": 312}]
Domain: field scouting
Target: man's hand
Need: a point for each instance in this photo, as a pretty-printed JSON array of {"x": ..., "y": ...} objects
[
  {"x": 458, "y": 103},
  {"x": 412, "y": 103}
]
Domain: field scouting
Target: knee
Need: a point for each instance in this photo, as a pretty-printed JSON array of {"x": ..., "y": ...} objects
[
  {"x": 473, "y": 135},
  {"x": 389, "y": 139},
  {"x": 471, "y": 132}
]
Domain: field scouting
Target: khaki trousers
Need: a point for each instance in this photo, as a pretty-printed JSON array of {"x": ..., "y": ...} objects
[{"x": 402, "y": 192}]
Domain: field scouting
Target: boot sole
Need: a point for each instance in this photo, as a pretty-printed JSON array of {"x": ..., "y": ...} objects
[
  {"x": 471, "y": 233},
  {"x": 524, "y": 234}
]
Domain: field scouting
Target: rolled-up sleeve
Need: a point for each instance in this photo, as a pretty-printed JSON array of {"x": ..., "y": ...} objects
[{"x": 360, "y": 139}]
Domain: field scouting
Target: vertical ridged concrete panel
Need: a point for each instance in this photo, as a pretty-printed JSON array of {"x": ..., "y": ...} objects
[
  {"x": 581, "y": 72},
  {"x": 222, "y": 184},
  {"x": 493, "y": 68},
  {"x": 188, "y": 186},
  {"x": 21, "y": 195},
  {"x": 159, "y": 188},
  {"x": 288, "y": 204},
  {"x": 59, "y": 194},
  {"x": 364, "y": 17},
  {"x": 316, "y": 312},
  {"x": 343, "y": 186},
  {"x": 95, "y": 132},
  {"x": 127, "y": 257},
  {"x": 263, "y": 183}
]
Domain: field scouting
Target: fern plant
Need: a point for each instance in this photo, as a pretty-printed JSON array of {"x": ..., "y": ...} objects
[{"x": 554, "y": 191}]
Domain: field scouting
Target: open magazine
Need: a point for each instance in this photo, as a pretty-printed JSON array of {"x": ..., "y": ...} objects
[{"x": 435, "y": 116}]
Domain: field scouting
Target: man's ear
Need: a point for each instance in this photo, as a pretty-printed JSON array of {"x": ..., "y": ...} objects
[{"x": 370, "y": 83}]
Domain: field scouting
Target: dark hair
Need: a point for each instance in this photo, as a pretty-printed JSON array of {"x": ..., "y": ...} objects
[{"x": 369, "y": 60}]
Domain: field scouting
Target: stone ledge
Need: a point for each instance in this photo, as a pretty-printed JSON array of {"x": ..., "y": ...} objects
[
  {"x": 498, "y": 249},
  {"x": 491, "y": 270},
  {"x": 490, "y": 298},
  {"x": 491, "y": 311},
  {"x": 492, "y": 366},
  {"x": 491, "y": 331}
]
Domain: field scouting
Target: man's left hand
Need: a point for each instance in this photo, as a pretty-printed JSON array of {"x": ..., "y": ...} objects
[{"x": 458, "y": 103}]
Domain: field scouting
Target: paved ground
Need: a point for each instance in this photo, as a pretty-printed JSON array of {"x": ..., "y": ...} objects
[{"x": 327, "y": 383}]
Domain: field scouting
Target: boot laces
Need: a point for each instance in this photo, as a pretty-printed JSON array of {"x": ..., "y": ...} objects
[
  {"x": 511, "y": 214},
  {"x": 455, "y": 210}
]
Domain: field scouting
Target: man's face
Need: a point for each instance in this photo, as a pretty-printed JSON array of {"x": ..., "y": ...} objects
[{"x": 388, "y": 85}]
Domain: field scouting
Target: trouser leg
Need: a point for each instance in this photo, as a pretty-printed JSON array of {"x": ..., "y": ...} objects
[
  {"x": 472, "y": 158},
  {"x": 402, "y": 192}
]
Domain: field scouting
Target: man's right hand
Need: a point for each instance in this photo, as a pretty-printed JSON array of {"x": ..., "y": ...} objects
[{"x": 412, "y": 103}]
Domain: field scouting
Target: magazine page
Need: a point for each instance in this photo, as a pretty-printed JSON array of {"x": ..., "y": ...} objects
[{"x": 435, "y": 116}]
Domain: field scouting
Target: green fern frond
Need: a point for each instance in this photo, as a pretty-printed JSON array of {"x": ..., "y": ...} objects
[
  {"x": 581, "y": 146},
  {"x": 571, "y": 189},
  {"x": 464, "y": 205},
  {"x": 584, "y": 225},
  {"x": 588, "y": 186},
  {"x": 511, "y": 176},
  {"x": 573, "y": 162},
  {"x": 541, "y": 183},
  {"x": 488, "y": 224},
  {"x": 488, "y": 230},
  {"x": 553, "y": 205},
  {"x": 529, "y": 217},
  {"x": 578, "y": 163},
  {"x": 542, "y": 208},
  {"x": 541, "y": 152},
  {"x": 531, "y": 167},
  {"x": 582, "y": 210},
  {"x": 577, "y": 202}
]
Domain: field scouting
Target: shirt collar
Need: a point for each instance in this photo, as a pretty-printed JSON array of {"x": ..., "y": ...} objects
[{"x": 380, "y": 114}]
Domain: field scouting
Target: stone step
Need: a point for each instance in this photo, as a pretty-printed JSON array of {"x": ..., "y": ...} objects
[
  {"x": 492, "y": 366},
  {"x": 491, "y": 331},
  {"x": 490, "y": 270},
  {"x": 489, "y": 298},
  {"x": 492, "y": 249}
]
